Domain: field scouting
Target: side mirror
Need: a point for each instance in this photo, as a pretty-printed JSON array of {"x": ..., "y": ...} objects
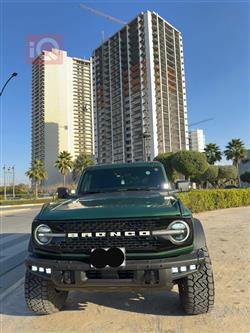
[
  {"x": 183, "y": 186},
  {"x": 63, "y": 193}
]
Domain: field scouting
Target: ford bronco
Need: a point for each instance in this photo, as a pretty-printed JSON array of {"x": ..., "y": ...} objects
[{"x": 123, "y": 229}]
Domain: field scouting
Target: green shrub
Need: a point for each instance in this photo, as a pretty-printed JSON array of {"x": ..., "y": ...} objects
[{"x": 202, "y": 200}]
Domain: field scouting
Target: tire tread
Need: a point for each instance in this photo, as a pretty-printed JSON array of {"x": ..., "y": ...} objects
[
  {"x": 197, "y": 290},
  {"x": 41, "y": 296}
]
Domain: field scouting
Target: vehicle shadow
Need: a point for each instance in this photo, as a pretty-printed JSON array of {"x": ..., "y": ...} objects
[
  {"x": 154, "y": 303},
  {"x": 149, "y": 302}
]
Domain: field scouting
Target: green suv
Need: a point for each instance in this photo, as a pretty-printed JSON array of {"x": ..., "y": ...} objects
[{"x": 123, "y": 229}]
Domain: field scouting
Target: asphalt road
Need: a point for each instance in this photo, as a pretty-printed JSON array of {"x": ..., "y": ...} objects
[{"x": 227, "y": 234}]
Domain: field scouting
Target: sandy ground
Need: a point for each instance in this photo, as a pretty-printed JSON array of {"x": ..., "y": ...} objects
[{"x": 228, "y": 237}]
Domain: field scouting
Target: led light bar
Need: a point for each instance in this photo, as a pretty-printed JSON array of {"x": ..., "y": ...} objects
[
  {"x": 182, "y": 269},
  {"x": 174, "y": 269}
]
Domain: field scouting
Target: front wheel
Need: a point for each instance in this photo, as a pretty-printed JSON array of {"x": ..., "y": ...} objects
[
  {"x": 41, "y": 295},
  {"x": 197, "y": 290}
]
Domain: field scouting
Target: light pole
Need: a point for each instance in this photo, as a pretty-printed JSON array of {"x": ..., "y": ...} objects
[
  {"x": 12, "y": 75},
  {"x": 13, "y": 182},
  {"x": 7, "y": 173},
  {"x": 4, "y": 181}
]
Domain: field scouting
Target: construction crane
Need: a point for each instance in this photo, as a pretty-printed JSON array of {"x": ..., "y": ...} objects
[
  {"x": 97, "y": 12},
  {"x": 200, "y": 122}
]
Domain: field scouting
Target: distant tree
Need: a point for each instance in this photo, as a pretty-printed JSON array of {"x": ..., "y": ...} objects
[
  {"x": 211, "y": 175},
  {"x": 37, "y": 173},
  {"x": 166, "y": 160},
  {"x": 190, "y": 163},
  {"x": 213, "y": 153},
  {"x": 245, "y": 177},
  {"x": 227, "y": 173},
  {"x": 235, "y": 151},
  {"x": 22, "y": 188},
  {"x": 82, "y": 161},
  {"x": 64, "y": 164}
]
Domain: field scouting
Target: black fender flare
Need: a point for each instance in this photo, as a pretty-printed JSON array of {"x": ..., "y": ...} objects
[
  {"x": 30, "y": 246},
  {"x": 199, "y": 235}
]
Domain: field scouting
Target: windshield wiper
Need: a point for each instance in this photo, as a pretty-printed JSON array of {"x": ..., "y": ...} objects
[
  {"x": 91, "y": 192},
  {"x": 137, "y": 189}
]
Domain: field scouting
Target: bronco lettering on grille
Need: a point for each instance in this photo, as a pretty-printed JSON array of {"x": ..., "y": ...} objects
[{"x": 110, "y": 234}]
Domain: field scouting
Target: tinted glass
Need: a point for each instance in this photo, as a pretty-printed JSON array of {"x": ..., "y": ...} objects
[{"x": 118, "y": 179}]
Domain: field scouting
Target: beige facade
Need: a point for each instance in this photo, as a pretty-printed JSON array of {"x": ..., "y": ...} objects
[
  {"x": 61, "y": 110},
  {"x": 197, "y": 140}
]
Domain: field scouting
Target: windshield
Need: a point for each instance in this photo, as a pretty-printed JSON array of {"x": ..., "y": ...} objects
[{"x": 122, "y": 179}]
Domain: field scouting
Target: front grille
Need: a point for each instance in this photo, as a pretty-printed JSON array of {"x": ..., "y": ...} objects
[{"x": 131, "y": 244}]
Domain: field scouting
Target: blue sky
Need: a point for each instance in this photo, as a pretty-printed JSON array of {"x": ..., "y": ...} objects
[{"x": 216, "y": 50}]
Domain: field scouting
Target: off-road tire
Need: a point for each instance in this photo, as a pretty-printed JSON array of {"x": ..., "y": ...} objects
[
  {"x": 197, "y": 290},
  {"x": 41, "y": 296}
]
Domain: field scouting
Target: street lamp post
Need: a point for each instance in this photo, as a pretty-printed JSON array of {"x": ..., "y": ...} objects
[
  {"x": 12, "y": 75},
  {"x": 4, "y": 167},
  {"x": 7, "y": 173},
  {"x": 4, "y": 182},
  {"x": 13, "y": 182}
]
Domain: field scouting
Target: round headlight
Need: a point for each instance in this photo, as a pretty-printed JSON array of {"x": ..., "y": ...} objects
[
  {"x": 179, "y": 231},
  {"x": 42, "y": 234}
]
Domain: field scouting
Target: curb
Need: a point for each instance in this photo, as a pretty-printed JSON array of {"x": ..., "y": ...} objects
[{"x": 24, "y": 205}]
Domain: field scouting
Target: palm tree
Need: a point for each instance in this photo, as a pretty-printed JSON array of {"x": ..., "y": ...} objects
[
  {"x": 82, "y": 161},
  {"x": 235, "y": 151},
  {"x": 64, "y": 163},
  {"x": 213, "y": 153},
  {"x": 37, "y": 173}
]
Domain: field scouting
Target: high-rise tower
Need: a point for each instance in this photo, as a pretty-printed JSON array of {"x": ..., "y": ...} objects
[
  {"x": 139, "y": 92},
  {"x": 61, "y": 109}
]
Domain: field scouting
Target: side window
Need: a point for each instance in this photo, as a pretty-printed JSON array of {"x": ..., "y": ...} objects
[{"x": 86, "y": 182}]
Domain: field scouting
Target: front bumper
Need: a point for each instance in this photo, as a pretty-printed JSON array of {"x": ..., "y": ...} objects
[{"x": 136, "y": 274}]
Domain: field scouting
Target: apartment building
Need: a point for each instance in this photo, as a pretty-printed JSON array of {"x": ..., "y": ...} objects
[
  {"x": 61, "y": 109},
  {"x": 139, "y": 92},
  {"x": 197, "y": 140}
]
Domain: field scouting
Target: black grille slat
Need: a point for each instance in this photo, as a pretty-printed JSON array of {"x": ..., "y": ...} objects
[
  {"x": 111, "y": 225},
  {"x": 128, "y": 243}
]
